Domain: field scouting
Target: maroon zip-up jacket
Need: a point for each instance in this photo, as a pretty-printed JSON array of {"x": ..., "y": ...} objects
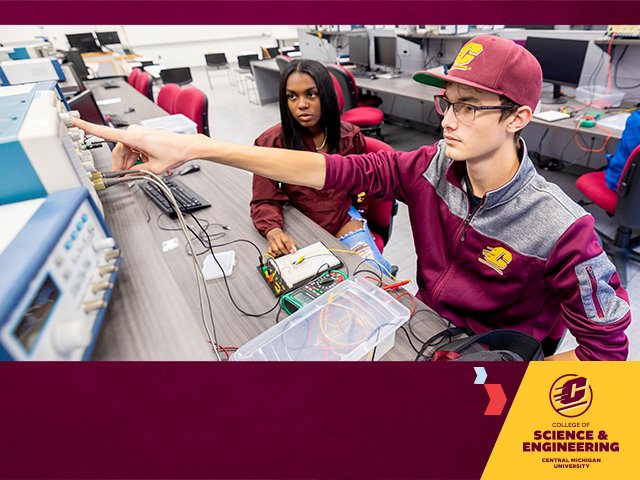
[{"x": 527, "y": 258}]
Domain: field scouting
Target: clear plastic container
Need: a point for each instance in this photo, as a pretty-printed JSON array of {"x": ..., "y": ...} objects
[
  {"x": 346, "y": 323},
  {"x": 597, "y": 96},
  {"x": 175, "y": 123}
]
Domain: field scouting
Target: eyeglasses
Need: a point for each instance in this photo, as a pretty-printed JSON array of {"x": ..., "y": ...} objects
[{"x": 464, "y": 112}]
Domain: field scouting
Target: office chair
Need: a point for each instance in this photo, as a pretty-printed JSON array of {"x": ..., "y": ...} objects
[
  {"x": 180, "y": 75},
  {"x": 622, "y": 206},
  {"x": 380, "y": 213},
  {"x": 132, "y": 77},
  {"x": 369, "y": 119},
  {"x": 217, "y": 61},
  {"x": 193, "y": 103},
  {"x": 167, "y": 97},
  {"x": 245, "y": 72},
  {"x": 244, "y": 61},
  {"x": 348, "y": 81},
  {"x": 144, "y": 84},
  {"x": 282, "y": 61}
]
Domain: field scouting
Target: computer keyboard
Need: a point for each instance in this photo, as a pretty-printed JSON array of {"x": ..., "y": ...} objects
[{"x": 188, "y": 200}]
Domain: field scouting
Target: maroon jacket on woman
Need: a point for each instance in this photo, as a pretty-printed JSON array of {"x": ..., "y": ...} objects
[{"x": 328, "y": 208}]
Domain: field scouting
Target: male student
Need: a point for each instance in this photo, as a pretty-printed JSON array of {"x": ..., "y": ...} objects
[{"x": 498, "y": 246}]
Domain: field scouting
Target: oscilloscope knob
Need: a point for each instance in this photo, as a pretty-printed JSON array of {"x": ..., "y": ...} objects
[
  {"x": 67, "y": 118},
  {"x": 70, "y": 336}
]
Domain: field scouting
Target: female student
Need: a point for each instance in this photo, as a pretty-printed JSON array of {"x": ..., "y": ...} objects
[{"x": 310, "y": 121}]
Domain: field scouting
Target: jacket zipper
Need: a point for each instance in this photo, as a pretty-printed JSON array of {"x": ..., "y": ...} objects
[
  {"x": 464, "y": 226},
  {"x": 437, "y": 289},
  {"x": 594, "y": 296},
  {"x": 467, "y": 220}
]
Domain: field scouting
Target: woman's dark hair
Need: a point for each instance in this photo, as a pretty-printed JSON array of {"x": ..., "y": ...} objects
[{"x": 330, "y": 118}]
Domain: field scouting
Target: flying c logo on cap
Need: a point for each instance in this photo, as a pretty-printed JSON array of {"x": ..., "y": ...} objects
[{"x": 470, "y": 51}]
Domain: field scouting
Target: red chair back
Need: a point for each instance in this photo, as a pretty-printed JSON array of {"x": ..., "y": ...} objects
[
  {"x": 352, "y": 80},
  {"x": 380, "y": 213},
  {"x": 167, "y": 97},
  {"x": 193, "y": 104},
  {"x": 132, "y": 77},
  {"x": 339, "y": 94},
  {"x": 144, "y": 85},
  {"x": 369, "y": 119}
]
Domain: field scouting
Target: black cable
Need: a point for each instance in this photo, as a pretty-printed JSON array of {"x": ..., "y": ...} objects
[
  {"x": 424, "y": 343},
  {"x": 279, "y": 312},
  {"x": 596, "y": 70},
  {"x": 169, "y": 229},
  {"x": 143, "y": 176},
  {"x": 415, "y": 349},
  {"x": 371, "y": 261},
  {"x": 208, "y": 237},
  {"x": 411, "y": 319},
  {"x": 615, "y": 72},
  {"x": 224, "y": 275},
  {"x": 375, "y": 274},
  {"x": 541, "y": 140},
  {"x": 138, "y": 188}
]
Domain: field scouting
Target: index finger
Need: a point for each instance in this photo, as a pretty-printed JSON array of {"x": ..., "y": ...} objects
[{"x": 102, "y": 131}]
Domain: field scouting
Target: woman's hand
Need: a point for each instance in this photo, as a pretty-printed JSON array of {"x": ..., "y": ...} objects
[
  {"x": 159, "y": 150},
  {"x": 280, "y": 243}
]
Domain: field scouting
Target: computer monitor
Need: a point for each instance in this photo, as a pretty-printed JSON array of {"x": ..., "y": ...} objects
[
  {"x": 385, "y": 51},
  {"x": 359, "y": 50},
  {"x": 561, "y": 61},
  {"x": 75, "y": 58},
  {"x": 83, "y": 42},
  {"x": 85, "y": 103},
  {"x": 108, "y": 38}
]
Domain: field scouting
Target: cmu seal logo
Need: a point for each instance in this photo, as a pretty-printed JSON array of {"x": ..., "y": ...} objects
[
  {"x": 497, "y": 258},
  {"x": 571, "y": 395}
]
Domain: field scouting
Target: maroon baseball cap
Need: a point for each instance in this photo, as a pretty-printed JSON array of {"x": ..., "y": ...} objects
[{"x": 494, "y": 64}]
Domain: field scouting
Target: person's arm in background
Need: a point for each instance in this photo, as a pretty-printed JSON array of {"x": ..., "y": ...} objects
[
  {"x": 162, "y": 150},
  {"x": 628, "y": 142}
]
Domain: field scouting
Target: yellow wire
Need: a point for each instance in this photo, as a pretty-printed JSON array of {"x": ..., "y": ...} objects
[{"x": 352, "y": 318}]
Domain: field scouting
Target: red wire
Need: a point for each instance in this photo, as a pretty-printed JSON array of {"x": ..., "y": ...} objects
[
  {"x": 586, "y": 149},
  {"x": 391, "y": 288},
  {"x": 224, "y": 349},
  {"x": 413, "y": 303}
]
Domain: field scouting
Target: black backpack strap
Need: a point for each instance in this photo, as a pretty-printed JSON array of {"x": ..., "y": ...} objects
[
  {"x": 442, "y": 336},
  {"x": 520, "y": 343}
]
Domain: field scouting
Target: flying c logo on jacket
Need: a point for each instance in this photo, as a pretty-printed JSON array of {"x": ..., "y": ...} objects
[
  {"x": 497, "y": 258},
  {"x": 470, "y": 51}
]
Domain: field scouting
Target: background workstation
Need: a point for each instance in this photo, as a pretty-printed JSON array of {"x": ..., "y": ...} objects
[{"x": 152, "y": 315}]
